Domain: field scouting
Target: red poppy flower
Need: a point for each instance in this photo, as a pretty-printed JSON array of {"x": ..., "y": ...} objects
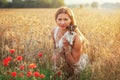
[
  {"x": 42, "y": 76},
  {"x": 12, "y": 51},
  {"x": 40, "y": 54},
  {"x": 32, "y": 65},
  {"x": 6, "y": 61},
  {"x": 14, "y": 74},
  {"x": 9, "y": 58},
  {"x": 19, "y": 58},
  {"x": 36, "y": 74},
  {"x": 29, "y": 74},
  {"x": 21, "y": 67}
]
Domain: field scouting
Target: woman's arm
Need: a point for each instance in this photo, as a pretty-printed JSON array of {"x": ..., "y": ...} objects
[
  {"x": 55, "y": 56},
  {"x": 68, "y": 56},
  {"x": 73, "y": 55},
  {"x": 52, "y": 34},
  {"x": 60, "y": 52}
]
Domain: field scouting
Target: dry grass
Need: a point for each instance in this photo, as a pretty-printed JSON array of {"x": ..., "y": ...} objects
[{"x": 28, "y": 31}]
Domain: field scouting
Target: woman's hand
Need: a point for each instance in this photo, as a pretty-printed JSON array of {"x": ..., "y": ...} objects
[
  {"x": 67, "y": 46},
  {"x": 65, "y": 43}
]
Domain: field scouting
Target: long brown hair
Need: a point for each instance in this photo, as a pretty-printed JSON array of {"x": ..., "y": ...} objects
[{"x": 69, "y": 12}]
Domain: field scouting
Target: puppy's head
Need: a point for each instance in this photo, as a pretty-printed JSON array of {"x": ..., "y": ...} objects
[{"x": 71, "y": 28}]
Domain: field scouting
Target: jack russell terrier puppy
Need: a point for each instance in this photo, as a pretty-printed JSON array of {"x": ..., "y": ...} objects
[{"x": 69, "y": 35}]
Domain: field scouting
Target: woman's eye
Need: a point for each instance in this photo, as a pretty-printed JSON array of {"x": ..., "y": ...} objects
[
  {"x": 66, "y": 19},
  {"x": 59, "y": 19}
]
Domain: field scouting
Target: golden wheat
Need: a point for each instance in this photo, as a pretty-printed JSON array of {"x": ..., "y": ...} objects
[{"x": 29, "y": 32}]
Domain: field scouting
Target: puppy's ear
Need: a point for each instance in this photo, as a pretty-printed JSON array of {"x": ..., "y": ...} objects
[
  {"x": 74, "y": 27},
  {"x": 68, "y": 27}
]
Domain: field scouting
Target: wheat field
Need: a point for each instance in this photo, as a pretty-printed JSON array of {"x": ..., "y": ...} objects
[{"x": 28, "y": 31}]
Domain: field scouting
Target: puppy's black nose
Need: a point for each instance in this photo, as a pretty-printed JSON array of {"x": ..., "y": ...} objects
[{"x": 71, "y": 33}]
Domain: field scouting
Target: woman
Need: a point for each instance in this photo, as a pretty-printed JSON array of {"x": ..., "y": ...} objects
[{"x": 71, "y": 55}]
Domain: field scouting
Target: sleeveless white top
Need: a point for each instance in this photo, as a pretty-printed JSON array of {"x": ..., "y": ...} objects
[
  {"x": 55, "y": 36},
  {"x": 67, "y": 35}
]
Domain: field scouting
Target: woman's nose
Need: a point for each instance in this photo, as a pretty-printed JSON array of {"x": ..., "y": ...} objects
[{"x": 62, "y": 22}]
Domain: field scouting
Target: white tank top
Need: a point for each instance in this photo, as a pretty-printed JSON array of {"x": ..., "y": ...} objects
[{"x": 55, "y": 36}]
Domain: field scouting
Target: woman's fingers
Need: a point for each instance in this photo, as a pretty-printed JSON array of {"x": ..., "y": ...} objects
[{"x": 65, "y": 42}]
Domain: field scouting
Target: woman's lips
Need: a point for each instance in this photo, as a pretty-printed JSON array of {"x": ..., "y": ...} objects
[{"x": 63, "y": 26}]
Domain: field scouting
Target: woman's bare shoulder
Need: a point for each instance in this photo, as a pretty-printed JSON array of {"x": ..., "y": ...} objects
[
  {"x": 77, "y": 41},
  {"x": 78, "y": 38},
  {"x": 53, "y": 30}
]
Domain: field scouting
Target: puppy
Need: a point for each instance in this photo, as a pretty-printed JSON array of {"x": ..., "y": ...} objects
[{"x": 69, "y": 35}]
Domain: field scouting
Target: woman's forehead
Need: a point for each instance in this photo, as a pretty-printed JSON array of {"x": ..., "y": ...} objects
[{"x": 63, "y": 15}]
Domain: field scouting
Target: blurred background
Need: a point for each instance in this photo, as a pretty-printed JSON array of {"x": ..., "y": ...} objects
[{"x": 112, "y": 4}]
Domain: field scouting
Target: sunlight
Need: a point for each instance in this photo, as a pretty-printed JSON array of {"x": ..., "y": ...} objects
[{"x": 69, "y": 2}]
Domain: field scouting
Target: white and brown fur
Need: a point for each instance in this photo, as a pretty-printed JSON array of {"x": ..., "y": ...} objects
[{"x": 69, "y": 35}]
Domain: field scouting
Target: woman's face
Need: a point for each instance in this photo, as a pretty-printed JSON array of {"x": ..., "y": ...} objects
[{"x": 63, "y": 20}]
